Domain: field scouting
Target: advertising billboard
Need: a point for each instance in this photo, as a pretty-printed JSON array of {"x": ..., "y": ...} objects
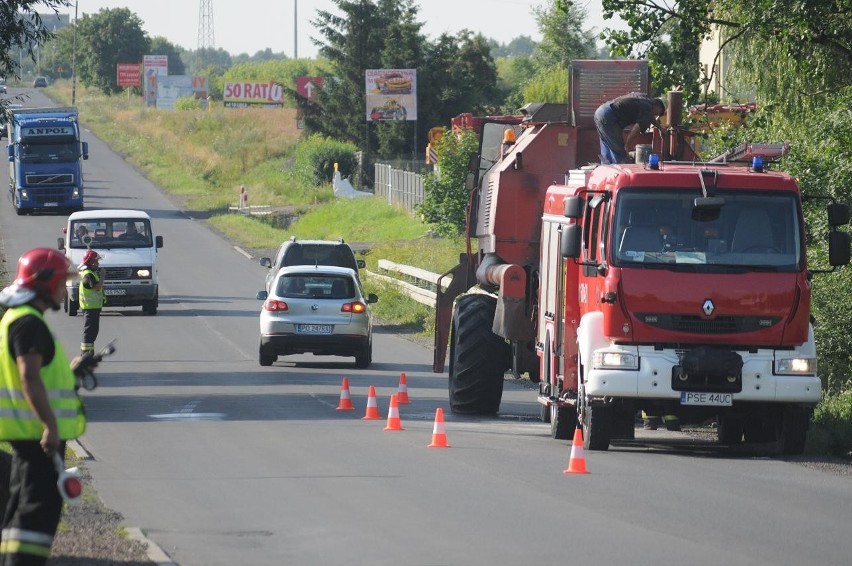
[
  {"x": 253, "y": 95},
  {"x": 128, "y": 74},
  {"x": 391, "y": 94}
]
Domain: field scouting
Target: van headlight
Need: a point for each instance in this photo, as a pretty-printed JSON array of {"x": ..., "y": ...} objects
[
  {"x": 796, "y": 366},
  {"x": 615, "y": 360},
  {"x": 143, "y": 273}
]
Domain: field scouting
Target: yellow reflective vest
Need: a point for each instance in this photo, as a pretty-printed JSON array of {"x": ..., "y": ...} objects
[
  {"x": 18, "y": 420},
  {"x": 89, "y": 298}
]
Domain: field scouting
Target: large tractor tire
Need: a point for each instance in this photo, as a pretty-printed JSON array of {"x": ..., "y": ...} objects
[{"x": 478, "y": 358}]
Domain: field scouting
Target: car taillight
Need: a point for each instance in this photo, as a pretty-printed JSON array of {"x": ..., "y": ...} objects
[
  {"x": 356, "y": 308},
  {"x": 272, "y": 305}
]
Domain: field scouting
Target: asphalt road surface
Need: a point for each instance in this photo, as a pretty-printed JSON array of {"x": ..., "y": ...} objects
[{"x": 221, "y": 461}]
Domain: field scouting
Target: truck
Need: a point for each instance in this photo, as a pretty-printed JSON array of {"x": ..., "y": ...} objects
[
  {"x": 45, "y": 160},
  {"x": 128, "y": 246},
  {"x": 674, "y": 285}
]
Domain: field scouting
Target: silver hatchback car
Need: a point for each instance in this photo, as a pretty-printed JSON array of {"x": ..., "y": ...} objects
[{"x": 316, "y": 309}]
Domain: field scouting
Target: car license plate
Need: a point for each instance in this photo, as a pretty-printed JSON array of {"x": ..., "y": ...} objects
[
  {"x": 706, "y": 399},
  {"x": 314, "y": 328},
  {"x": 114, "y": 292},
  {"x": 51, "y": 204}
]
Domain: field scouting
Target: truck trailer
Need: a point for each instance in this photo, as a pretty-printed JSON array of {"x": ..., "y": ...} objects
[
  {"x": 45, "y": 160},
  {"x": 673, "y": 285}
]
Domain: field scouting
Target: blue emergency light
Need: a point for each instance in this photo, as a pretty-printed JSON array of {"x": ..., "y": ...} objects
[
  {"x": 654, "y": 161},
  {"x": 757, "y": 164}
]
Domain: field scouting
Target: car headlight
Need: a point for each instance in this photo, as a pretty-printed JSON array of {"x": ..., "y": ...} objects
[
  {"x": 615, "y": 360},
  {"x": 796, "y": 366},
  {"x": 143, "y": 273}
]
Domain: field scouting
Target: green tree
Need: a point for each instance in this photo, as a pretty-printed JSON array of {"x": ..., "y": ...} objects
[
  {"x": 105, "y": 39},
  {"x": 446, "y": 198},
  {"x": 563, "y": 37},
  {"x": 21, "y": 28},
  {"x": 162, "y": 46}
]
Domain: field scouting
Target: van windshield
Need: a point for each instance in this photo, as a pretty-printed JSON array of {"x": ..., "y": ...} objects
[{"x": 110, "y": 233}]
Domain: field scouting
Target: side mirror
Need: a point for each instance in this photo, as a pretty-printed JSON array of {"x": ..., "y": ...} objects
[
  {"x": 569, "y": 245},
  {"x": 838, "y": 214},
  {"x": 60, "y": 243},
  {"x": 838, "y": 248},
  {"x": 85, "y": 150},
  {"x": 159, "y": 241},
  {"x": 261, "y": 295},
  {"x": 372, "y": 298},
  {"x": 266, "y": 262},
  {"x": 359, "y": 262},
  {"x": 573, "y": 207}
]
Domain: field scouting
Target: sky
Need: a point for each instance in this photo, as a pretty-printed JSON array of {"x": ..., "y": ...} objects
[{"x": 249, "y": 26}]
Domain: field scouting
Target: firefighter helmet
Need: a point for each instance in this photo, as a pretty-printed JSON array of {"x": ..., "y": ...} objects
[
  {"x": 41, "y": 272},
  {"x": 90, "y": 258}
]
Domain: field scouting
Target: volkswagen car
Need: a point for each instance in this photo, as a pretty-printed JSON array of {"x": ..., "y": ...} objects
[
  {"x": 316, "y": 309},
  {"x": 310, "y": 252}
]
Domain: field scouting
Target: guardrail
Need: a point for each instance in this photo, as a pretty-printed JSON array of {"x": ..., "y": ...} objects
[
  {"x": 255, "y": 210},
  {"x": 419, "y": 284}
]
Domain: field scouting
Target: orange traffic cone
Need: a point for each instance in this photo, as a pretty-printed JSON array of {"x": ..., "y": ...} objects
[
  {"x": 345, "y": 403},
  {"x": 577, "y": 463},
  {"x": 394, "y": 422},
  {"x": 372, "y": 413},
  {"x": 439, "y": 434},
  {"x": 402, "y": 394}
]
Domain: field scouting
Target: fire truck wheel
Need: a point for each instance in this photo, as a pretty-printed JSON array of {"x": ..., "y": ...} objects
[
  {"x": 595, "y": 421},
  {"x": 479, "y": 358},
  {"x": 730, "y": 430},
  {"x": 794, "y": 431},
  {"x": 563, "y": 422},
  {"x": 759, "y": 429}
]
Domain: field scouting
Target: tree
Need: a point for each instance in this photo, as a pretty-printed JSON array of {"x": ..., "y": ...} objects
[
  {"x": 21, "y": 27},
  {"x": 445, "y": 201},
  {"x": 105, "y": 39},
  {"x": 563, "y": 38},
  {"x": 162, "y": 46}
]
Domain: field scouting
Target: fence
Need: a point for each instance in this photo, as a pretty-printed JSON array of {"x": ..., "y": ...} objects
[{"x": 400, "y": 188}]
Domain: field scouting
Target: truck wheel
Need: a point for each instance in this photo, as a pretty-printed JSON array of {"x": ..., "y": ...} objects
[
  {"x": 595, "y": 421},
  {"x": 730, "y": 430},
  {"x": 479, "y": 358},
  {"x": 794, "y": 431},
  {"x": 760, "y": 429},
  {"x": 19, "y": 211},
  {"x": 563, "y": 422},
  {"x": 72, "y": 307}
]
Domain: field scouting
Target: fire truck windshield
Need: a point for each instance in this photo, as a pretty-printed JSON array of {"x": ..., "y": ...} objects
[{"x": 755, "y": 229}]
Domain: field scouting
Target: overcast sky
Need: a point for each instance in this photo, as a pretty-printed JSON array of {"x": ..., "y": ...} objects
[{"x": 248, "y": 26}]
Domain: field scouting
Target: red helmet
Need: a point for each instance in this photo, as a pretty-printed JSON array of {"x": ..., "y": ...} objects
[
  {"x": 41, "y": 271},
  {"x": 90, "y": 258}
]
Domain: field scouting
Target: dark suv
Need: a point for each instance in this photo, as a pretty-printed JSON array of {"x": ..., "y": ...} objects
[{"x": 311, "y": 252}]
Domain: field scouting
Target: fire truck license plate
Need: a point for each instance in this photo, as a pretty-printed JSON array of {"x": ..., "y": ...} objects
[{"x": 706, "y": 399}]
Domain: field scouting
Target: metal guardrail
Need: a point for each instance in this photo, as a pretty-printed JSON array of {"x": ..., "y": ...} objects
[{"x": 419, "y": 284}]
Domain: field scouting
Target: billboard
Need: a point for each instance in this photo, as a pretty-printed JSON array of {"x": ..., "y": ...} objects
[
  {"x": 254, "y": 95},
  {"x": 154, "y": 66},
  {"x": 172, "y": 87},
  {"x": 391, "y": 94},
  {"x": 128, "y": 74}
]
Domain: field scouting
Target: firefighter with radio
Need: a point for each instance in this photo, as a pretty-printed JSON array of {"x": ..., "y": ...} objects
[
  {"x": 39, "y": 406},
  {"x": 92, "y": 299}
]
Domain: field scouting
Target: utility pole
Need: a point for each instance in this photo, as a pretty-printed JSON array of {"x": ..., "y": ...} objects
[
  {"x": 295, "y": 29},
  {"x": 74, "y": 60}
]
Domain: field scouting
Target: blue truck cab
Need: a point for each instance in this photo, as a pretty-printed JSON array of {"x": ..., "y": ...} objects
[{"x": 45, "y": 160}]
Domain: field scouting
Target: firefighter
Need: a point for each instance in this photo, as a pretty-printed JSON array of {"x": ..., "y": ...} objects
[
  {"x": 612, "y": 117},
  {"x": 652, "y": 422},
  {"x": 40, "y": 407},
  {"x": 92, "y": 299}
]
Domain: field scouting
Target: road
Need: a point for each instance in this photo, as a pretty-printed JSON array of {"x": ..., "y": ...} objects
[{"x": 220, "y": 461}]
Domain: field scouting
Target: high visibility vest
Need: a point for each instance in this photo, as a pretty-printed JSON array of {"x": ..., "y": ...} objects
[
  {"x": 18, "y": 421},
  {"x": 89, "y": 298}
]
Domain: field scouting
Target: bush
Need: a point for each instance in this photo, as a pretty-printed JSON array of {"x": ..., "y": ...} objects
[
  {"x": 188, "y": 103},
  {"x": 315, "y": 159},
  {"x": 831, "y": 428}
]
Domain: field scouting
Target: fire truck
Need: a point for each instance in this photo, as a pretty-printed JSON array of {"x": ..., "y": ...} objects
[{"x": 674, "y": 285}]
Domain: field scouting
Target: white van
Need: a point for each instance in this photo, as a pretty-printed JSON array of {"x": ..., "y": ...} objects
[{"x": 126, "y": 241}]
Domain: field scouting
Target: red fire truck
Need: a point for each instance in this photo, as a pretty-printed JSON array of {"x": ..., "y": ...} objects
[{"x": 674, "y": 285}]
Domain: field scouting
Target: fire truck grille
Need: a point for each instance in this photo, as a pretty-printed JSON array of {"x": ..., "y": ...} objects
[
  {"x": 691, "y": 324},
  {"x": 35, "y": 181},
  {"x": 113, "y": 273}
]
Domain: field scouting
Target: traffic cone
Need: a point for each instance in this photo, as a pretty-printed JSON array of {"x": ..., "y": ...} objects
[
  {"x": 439, "y": 434},
  {"x": 345, "y": 403},
  {"x": 577, "y": 463},
  {"x": 393, "y": 414},
  {"x": 372, "y": 413},
  {"x": 402, "y": 393}
]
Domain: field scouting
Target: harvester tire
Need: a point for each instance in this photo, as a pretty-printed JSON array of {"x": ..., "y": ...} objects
[{"x": 478, "y": 358}]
